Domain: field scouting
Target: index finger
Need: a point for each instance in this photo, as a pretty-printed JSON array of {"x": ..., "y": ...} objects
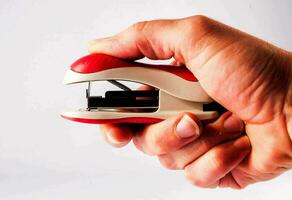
[{"x": 157, "y": 39}]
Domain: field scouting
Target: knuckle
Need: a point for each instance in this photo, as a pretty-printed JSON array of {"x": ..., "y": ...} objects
[
  {"x": 241, "y": 186},
  {"x": 138, "y": 27},
  {"x": 204, "y": 143},
  {"x": 150, "y": 145},
  {"x": 167, "y": 161},
  {"x": 265, "y": 167},
  {"x": 201, "y": 20},
  {"x": 274, "y": 160},
  {"x": 280, "y": 155},
  {"x": 270, "y": 163},
  {"x": 158, "y": 146},
  {"x": 217, "y": 160},
  {"x": 195, "y": 180},
  {"x": 276, "y": 157},
  {"x": 199, "y": 23}
]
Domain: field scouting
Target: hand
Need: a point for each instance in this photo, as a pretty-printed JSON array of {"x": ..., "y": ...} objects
[{"x": 248, "y": 76}]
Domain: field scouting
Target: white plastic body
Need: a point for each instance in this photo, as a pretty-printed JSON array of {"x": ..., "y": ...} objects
[
  {"x": 176, "y": 94},
  {"x": 168, "y": 82},
  {"x": 168, "y": 106}
]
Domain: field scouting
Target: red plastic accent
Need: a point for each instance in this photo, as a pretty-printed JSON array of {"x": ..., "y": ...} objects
[
  {"x": 98, "y": 62},
  {"x": 132, "y": 120}
]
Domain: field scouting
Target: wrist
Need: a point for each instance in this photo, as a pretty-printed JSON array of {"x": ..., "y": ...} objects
[
  {"x": 288, "y": 101},
  {"x": 283, "y": 122}
]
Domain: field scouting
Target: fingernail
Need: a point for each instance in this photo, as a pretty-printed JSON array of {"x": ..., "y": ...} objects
[
  {"x": 94, "y": 45},
  {"x": 242, "y": 143},
  {"x": 116, "y": 143},
  {"x": 187, "y": 127},
  {"x": 233, "y": 124}
]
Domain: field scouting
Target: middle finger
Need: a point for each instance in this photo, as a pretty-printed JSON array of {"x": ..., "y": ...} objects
[{"x": 213, "y": 134}]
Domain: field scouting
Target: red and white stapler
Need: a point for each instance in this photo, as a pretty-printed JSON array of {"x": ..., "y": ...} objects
[{"x": 176, "y": 90}]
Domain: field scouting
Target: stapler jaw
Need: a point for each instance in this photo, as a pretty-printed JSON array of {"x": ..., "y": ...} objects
[{"x": 175, "y": 90}]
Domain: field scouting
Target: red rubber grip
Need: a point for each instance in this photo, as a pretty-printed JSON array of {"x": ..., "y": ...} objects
[
  {"x": 99, "y": 62},
  {"x": 127, "y": 120}
]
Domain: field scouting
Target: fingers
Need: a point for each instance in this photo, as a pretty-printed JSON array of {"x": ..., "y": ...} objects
[
  {"x": 117, "y": 135},
  {"x": 157, "y": 39},
  {"x": 225, "y": 128},
  {"x": 176, "y": 63},
  {"x": 152, "y": 39},
  {"x": 207, "y": 170},
  {"x": 168, "y": 135},
  {"x": 228, "y": 181},
  {"x": 177, "y": 142}
]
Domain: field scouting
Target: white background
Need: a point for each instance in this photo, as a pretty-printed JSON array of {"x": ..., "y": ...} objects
[{"x": 45, "y": 157}]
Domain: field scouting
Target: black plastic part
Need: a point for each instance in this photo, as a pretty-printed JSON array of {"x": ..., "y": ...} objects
[
  {"x": 214, "y": 106},
  {"x": 132, "y": 94},
  {"x": 137, "y": 98},
  {"x": 124, "y": 99}
]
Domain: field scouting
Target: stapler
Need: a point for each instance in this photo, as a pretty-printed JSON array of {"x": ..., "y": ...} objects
[{"x": 176, "y": 90}]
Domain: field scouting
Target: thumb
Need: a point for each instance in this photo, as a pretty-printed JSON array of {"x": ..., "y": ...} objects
[{"x": 168, "y": 135}]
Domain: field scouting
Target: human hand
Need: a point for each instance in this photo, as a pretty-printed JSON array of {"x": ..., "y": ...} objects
[{"x": 248, "y": 76}]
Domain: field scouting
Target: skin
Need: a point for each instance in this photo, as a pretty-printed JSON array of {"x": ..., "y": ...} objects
[{"x": 248, "y": 76}]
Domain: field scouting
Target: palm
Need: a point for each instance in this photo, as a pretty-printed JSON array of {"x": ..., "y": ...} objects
[{"x": 231, "y": 73}]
